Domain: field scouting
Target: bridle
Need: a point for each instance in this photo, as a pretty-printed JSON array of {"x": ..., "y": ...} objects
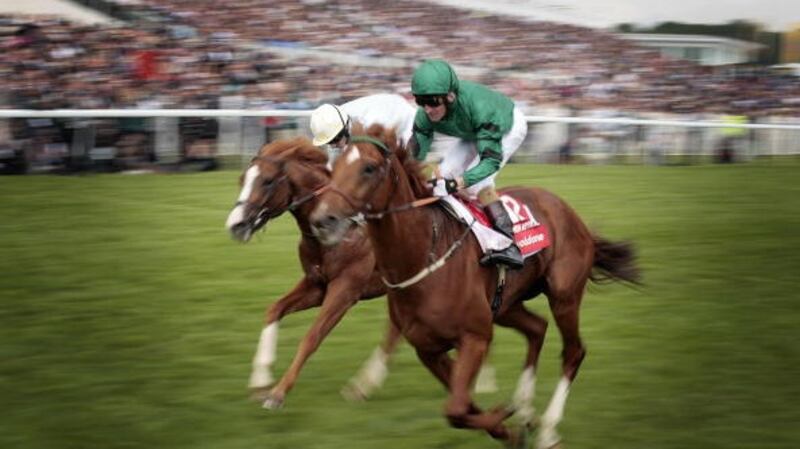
[
  {"x": 386, "y": 168},
  {"x": 386, "y": 153},
  {"x": 264, "y": 212}
]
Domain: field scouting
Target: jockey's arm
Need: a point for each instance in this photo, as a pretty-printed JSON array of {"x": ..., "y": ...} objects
[
  {"x": 412, "y": 146},
  {"x": 491, "y": 157},
  {"x": 422, "y": 136}
]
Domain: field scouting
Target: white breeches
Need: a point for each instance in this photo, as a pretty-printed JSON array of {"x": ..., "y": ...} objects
[{"x": 461, "y": 155}]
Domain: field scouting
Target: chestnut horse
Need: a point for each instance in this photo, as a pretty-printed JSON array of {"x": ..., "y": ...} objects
[
  {"x": 285, "y": 176},
  {"x": 444, "y": 300}
]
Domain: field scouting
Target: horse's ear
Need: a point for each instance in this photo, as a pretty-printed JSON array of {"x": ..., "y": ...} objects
[
  {"x": 357, "y": 129},
  {"x": 304, "y": 150},
  {"x": 386, "y": 135}
]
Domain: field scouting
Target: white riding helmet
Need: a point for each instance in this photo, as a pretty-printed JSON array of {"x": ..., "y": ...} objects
[{"x": 327, "y": 121}]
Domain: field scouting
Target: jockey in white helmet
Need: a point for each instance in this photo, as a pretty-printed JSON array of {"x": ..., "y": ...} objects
[{"x": 331, "y": 124}]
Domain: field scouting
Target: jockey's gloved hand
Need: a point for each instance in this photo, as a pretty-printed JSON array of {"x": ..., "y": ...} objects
[{"x": 444, "y": 186}]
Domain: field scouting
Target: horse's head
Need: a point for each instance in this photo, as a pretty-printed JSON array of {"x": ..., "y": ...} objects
[
  {"x": 365, "y": 179},
  {"x": 281, "y": 177}
]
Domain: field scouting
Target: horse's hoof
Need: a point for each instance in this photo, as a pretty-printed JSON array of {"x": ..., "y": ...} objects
[
  {"x": 518, "y": 438},
  {"x": 529, "y": 421},
  {"x": 353, "y": 393},
  {"x": 259, "y": 394},
  {"x": 549, "y": 441},
  {"x": 272, "y": 402},
  {"x": 557, "y": 445},
  {"x": 533, "y": 424},
  {"x": 260, "y": 379}
]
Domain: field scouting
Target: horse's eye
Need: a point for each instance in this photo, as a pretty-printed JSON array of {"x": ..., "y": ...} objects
[
  {"x": 369, "y": 169},
  {"x": 268, "y": 182}
]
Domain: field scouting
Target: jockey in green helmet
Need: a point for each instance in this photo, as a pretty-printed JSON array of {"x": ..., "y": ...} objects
[{"x": 489, "y": 128}]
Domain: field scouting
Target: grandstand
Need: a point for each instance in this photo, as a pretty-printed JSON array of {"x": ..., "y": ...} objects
[
  {"x": 57, "y": 8},
  {"x": 286, "y": 54}
]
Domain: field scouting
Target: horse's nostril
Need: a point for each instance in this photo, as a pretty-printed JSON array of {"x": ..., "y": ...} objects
[
  {"x": 240, "y": 231},
  {"x": 326, "y": 222},
  {"x": 329, "y": 221}
]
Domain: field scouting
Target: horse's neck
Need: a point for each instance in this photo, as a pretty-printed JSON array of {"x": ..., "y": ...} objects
[
  {"x": 304, "y": 187},
  {"x": 301, "y": 214},
  {"x": 402, "y": 240}
]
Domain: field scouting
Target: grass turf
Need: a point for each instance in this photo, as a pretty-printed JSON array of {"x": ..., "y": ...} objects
[{"x": 128, "y": 320}]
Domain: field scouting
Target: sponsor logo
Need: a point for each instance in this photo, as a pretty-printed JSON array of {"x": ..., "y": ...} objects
[
  {"x": 532, "y": 239},
  {"x": 520, "y": 227}
]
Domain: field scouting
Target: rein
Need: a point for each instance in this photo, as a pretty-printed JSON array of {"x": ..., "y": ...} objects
[
  {"x": 294, "y": 204},
  {"x": 439, "y": 263},
  {"x": 308, "y": 197},
  {"x": 432, "y": 267},
  {"x": 412, "y": 205}
]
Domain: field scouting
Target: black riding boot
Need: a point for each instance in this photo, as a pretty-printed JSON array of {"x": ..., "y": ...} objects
[{"x": 510, "y": 257}]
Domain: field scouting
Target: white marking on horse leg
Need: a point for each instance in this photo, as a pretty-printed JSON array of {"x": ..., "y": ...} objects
[
  {"x": 548, "y": 436},
  {"x": 523, "y": 396},
  {"x": 237, "y": 214},
  {"x": 487, "y": 381},
  {"x": 353, "y": 155},
  {"x": 261, "y": 376},
  {"x": 371, "y": 376}
]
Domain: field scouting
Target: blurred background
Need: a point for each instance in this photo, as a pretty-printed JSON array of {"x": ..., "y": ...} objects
[
  {"x": 128, "y": 318},
  {"x": 730, "y": 62}
]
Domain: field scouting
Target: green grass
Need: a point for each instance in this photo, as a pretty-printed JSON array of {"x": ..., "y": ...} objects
[{"x": 128, "y": 319}]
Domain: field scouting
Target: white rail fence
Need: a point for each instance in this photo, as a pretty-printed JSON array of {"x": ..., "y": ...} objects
[{"x": 595, "y": 137}]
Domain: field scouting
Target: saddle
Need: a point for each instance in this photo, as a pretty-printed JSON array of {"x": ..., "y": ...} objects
[{"x": 529, "y": 235}]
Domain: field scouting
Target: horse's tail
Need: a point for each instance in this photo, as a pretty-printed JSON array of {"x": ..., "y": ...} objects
[{"x": 614, "y": 261}]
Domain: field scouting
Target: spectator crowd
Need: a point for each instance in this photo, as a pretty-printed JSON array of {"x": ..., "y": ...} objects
[{"x": 192, "y": 53}]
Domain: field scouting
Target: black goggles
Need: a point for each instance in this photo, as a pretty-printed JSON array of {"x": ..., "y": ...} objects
[
  {"x": 343, "y": 134},
  {"x": 429, "y": 100}
]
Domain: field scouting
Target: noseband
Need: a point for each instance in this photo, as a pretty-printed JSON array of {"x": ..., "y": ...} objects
[
  {"x": 386, "y": 153},
  {"x": 264, "y": 211}
]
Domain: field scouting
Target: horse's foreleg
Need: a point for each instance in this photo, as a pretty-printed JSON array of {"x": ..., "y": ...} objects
[
  {"x": 341, "y": 294},
  {"x": 566, "y": 316},
  {"x": 459, "y": 409},
  {"x": 304, "y": 295},
  {"x": 533, "y": 328},
  {"x": 374, "y": 371}
]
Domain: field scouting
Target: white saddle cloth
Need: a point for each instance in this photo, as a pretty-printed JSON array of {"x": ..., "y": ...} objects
[{"x": 488, "y": 238}]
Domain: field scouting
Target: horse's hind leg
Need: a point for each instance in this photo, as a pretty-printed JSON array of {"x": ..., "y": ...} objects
[
  {"x": 304, "y": 295},
  {"x": 533, "y": 328},
  {"x": 374, "y": 371},
  {"x": 565, "y": 307}
]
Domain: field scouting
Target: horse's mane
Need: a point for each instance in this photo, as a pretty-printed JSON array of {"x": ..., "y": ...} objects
[
  {"x": 298, "y": 149},
  {"x": 411, "y": 166}
]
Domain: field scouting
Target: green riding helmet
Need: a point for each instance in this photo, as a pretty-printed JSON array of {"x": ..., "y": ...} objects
[{"x": 434, "y": 77}]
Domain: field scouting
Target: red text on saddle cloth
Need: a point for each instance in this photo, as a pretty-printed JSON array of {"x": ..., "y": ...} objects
[{"x": 529, "y": 235}]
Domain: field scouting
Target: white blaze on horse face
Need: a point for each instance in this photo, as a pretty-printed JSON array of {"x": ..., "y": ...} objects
[
  {"x": 237, "y": 214},
  {"x": 353, "y": 155}
]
